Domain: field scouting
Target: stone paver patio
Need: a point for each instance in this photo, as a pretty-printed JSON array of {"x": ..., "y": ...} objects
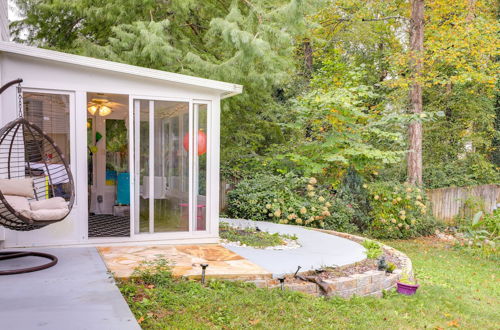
[{"x": 185, "y": 261}]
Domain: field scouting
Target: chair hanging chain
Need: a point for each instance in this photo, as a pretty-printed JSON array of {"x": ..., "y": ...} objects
[{"x": 20, "y": 99}]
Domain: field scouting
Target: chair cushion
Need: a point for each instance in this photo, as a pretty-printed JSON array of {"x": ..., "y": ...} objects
[
  {"x": 17, "y": 187},
  {"x": 49, "y": 204},
  {"x": 20, "y": 204},
  {"x": 50, "y": 214}
]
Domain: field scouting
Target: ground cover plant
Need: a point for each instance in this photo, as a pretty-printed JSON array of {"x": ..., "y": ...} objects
[
  {"x": 252, "y": 236},
  {"x": 457, "y": 290},
  {"x": 480, "y": 234}
]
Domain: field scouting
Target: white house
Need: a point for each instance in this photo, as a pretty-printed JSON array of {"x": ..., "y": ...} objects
[{"x": 127, "y": 131}]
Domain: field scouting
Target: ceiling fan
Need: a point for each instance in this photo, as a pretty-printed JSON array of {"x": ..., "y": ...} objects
[{"x": 100, "y": 106}]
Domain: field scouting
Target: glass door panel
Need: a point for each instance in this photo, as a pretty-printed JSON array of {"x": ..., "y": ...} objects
[
  {"x": 162, "y": 170},
  {"x": 200, "y": 167},
  {"x": 142, "y": 152},
  {"x": 171, "y": 166}
]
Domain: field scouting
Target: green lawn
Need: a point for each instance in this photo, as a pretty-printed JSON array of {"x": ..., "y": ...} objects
[{"x": 457, "y": 290}]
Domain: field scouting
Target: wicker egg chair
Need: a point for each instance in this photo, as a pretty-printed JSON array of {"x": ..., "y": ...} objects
[{"x": 22, "y": 147}]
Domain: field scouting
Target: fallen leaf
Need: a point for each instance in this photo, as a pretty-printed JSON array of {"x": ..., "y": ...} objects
[
  {"x": 254, "y": 322},
  {"x": 140, "y": 319},
  {"x": 454, "y": 323}
]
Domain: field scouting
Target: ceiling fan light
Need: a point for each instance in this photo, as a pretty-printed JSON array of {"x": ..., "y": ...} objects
[
  {"x": 92, "y": 109},
  {"x": 104, "y": 111}
]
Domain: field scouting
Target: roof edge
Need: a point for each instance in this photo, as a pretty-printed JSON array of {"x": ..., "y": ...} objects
[{"x": 227, "y": 89}]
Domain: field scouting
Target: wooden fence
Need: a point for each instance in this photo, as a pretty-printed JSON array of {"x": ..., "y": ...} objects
[
  {"x": 223, "y": 190},
  {"x": 447, "y": 203}
]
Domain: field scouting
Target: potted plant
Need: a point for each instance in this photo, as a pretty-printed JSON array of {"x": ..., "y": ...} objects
[{"x": 406, "y": 286}]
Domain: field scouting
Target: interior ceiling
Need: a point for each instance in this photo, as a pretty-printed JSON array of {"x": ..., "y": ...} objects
[
  {"x": 117, "y": 102},
  {"x": 119, "y": 105}
]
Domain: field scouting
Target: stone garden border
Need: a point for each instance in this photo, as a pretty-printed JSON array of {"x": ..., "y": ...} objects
[{"x": 369, "y": 283}]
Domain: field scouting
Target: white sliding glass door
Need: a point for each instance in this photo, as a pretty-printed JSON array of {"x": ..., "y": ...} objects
[{"x": 170, "y": 175}]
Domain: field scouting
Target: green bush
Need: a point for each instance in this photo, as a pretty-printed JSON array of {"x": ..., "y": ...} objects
[
  {"x": 399, "y": 211},
  {"x": 250, "y": 196},
  {"x": 289, "y": 200},
  {"x": 341, "y": 217},
  {"x": 353, "y": 192},
  {"x": 481, "y": 234}
]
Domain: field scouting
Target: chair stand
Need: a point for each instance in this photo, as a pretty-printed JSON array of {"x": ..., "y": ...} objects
[{"x": 21, "y": 254}]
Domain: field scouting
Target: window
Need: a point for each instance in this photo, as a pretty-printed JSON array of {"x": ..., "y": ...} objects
[{"x": 50, "y": 112}]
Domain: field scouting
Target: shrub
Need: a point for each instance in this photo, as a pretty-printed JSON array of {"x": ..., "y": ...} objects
[
  {"x": 289, "y": 200},
  {"x": 353, "y": 192},
  {"x": 399, "y": 211},
  {"x": 249, "y": 198},
  {"x": 373, "y": 249},
  {"x": 341, "y": 217},
  {"x": 481, "y": 234}
]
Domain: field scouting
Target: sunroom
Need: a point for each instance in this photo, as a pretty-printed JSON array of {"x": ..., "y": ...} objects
[{"x": 142, "y": 144}]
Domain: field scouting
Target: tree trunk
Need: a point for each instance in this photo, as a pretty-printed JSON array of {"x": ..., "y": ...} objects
[
  {"x": 308, "y": 58},
  {"x": 414, "y": 159}
]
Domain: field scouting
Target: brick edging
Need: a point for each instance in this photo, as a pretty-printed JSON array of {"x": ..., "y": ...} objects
[{"x": 369, "y": 283}]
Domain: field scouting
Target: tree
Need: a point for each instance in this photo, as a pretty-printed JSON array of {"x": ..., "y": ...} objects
[
  {"x": 460, "y": 50},
  {"x": 249, "y": 42},
  {"x": 414, "y": 158}
]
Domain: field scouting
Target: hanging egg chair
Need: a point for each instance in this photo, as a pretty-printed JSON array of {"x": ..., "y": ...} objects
[{"x": 29, "y": 178}]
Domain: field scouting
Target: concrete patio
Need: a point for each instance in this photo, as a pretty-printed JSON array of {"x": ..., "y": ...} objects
[
  {"x": 77, "y": 293},
  {"x": 317, "y": 249},
  {"x": 80, "y": 293}
]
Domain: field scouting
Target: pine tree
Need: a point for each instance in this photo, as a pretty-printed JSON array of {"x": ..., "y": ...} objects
[{"x": 248, "y": 42}]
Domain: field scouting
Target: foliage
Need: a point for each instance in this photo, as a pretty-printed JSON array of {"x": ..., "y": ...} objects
[
  {"x": 449, "y": 296},
  {"x": 288, "y": 199},
  {"x": 341, "y": 216},
  {"x": 373, "y": 249},
  {"x": 461, "y": 70},
  {"x": 353, "y": 191},
  {"x": 406, "y": 280},
  {"x": 335, "y": 129},
  {"x": 348, "y": 109},
  {"x": 461, "y": 157},
  {"x": 482, "y": 234},
  {"x": 391, "y": 267},
  {"x": 243, "y": 42},
  {"x": 249, "y": 198},
  {"x": 399, "y": 211},
  {"x": 252, "y": 237}
]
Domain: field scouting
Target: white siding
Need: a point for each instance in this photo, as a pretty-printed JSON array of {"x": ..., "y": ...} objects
[{"x": 4, "y": 21}]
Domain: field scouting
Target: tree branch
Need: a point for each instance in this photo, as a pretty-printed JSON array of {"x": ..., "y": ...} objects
[{"x": 334, "y": 21}]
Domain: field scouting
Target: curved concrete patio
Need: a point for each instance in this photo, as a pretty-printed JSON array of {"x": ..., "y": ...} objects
[
  {"x": 317, "y": 249},
  {"x": 239, "y": 263}
]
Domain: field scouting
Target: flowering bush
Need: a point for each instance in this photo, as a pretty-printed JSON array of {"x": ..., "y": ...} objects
[
  {"x": 399, "y": 211},
  {"x": 288, "y": 200}
]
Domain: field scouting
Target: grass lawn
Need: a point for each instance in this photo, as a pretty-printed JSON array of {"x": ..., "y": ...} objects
[{"x": 457, "y": 290}]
